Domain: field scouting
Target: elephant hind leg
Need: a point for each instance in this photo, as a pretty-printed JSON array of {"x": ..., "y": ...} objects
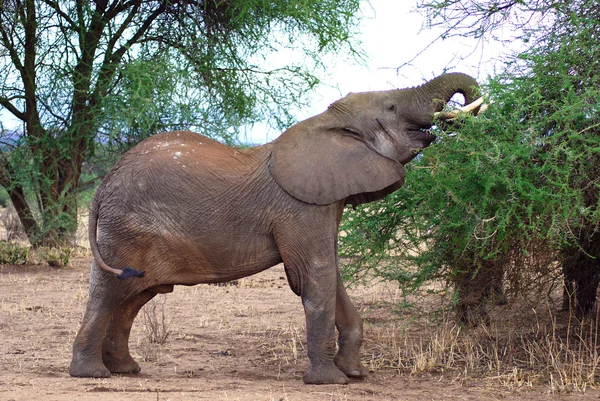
[
  {"x": 115, "y": 350},
  {"x": 87, "y": 348}
]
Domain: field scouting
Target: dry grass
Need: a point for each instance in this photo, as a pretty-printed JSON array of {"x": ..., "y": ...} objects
[
  {"x": 250, "y": 342},
  {"x": 156, "y": 323},
  {"x": 524, "y": 345},
  {"x": 157, "y": 326}
]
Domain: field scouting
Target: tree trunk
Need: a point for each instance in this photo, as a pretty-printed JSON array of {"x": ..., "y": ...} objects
[{"x": 17, "y": 197}]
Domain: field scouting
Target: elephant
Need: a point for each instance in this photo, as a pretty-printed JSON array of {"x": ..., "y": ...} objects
[{"x": 182, "y": 209}]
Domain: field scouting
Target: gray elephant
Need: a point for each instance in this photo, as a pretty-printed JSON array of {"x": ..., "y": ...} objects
[{"x": 182, "y": 209}]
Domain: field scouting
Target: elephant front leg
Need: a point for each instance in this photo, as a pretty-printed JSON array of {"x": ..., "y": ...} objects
[
  {"x": 350, "y": 327},
  {"x": 319, "y": 298},
  {"x": 308, "y": 249}
]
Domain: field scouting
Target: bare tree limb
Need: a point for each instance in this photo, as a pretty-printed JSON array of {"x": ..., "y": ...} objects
[{"x": 64, "y": 16}]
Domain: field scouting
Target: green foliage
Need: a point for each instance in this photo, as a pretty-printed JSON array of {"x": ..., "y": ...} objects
[
  {"x": 13, "y": 254},
  {"x": 3, "y": 198},
  {"x": 509, "y": 188}
]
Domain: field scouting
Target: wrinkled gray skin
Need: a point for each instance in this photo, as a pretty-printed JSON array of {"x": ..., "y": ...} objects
[{"x": 185, "y": 209}]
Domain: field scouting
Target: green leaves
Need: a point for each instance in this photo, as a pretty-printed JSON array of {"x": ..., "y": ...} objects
[{"x": 512, "y": 187}]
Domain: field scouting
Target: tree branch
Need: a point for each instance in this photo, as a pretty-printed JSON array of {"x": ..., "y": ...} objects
[
  {"x": 56, "y": 7},
  {"x": 117, "y": 35},
  {"x": 14, "y": 55},
  {"x": 10, "y": 107},
  {"x": 118, "y": 7},
  {"x": 111, "y": 63}
]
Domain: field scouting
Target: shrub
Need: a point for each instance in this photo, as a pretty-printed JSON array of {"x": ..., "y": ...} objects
[
  {"x": 505, "y": 194},
  {"x": 13, "y": 254},
  {"x": 55, "y": 257}
]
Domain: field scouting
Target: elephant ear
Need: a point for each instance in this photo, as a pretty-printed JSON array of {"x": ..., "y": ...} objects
[{"x": 324, "y": 166}]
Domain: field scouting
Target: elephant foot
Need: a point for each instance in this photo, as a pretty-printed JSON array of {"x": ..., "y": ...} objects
[
  {"x": 121, "y": 365},
  {"x": 351, "y": 366},
  {"x": 82, "y": 368},
  {"x": 325, "y": 374}
]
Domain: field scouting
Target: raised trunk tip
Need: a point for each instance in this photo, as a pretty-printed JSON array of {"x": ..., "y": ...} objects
[{"x": 442, "y": 88}]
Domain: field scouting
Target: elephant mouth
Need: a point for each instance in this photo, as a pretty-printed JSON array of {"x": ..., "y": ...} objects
[{"x": 422, "y": 136}]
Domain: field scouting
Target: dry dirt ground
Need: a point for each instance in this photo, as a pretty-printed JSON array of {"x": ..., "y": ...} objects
[{"x": 242, "y": 342}]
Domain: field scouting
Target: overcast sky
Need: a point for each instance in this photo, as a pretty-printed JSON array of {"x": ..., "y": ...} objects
[{"x": 392, "y": 35}]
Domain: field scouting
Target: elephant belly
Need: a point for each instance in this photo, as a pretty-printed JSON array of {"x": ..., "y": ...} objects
[
  {"x": 179, "y": 259},
  {"x": 218, "y": 272},
  {"x": 205, "y": 269}
]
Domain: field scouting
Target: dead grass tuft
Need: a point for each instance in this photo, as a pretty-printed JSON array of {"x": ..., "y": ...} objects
[{"x": 156, "y": 323}]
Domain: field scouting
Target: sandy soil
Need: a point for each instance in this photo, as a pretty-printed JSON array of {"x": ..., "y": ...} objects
[{"x": 242, "y": 342}]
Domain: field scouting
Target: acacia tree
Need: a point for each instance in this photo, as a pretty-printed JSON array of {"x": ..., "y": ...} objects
[
  {"x": 67, "y": 69},
  {"x": 510, "y": 191}
]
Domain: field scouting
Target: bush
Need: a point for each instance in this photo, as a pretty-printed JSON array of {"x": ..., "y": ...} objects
[
  {"x": 13, "y": 254},
  {"x": 507, "y": 193},
  {"x": 55, "y": 257}
]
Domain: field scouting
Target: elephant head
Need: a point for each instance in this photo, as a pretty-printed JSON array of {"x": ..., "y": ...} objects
[{"x": 356, "y": 149}]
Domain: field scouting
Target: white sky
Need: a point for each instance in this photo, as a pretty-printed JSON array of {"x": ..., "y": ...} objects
[{"x": 391, "y": 34}]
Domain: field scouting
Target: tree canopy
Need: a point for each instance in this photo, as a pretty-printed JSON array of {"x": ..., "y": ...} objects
[
  {"x": 78, "y": 74},
  {"x": 508, "y": 193}
]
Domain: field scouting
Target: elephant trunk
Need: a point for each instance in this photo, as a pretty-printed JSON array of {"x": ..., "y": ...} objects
[
  {"x": 445, "y": 86},
  {"x": 433, "y": 95}
]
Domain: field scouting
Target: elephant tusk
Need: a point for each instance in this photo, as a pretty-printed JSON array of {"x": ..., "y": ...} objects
[
  {"x": 477, "y": 107},
  {"x": 470, "y": 107},
  {"x": 444, "y": 115},
  {"x": 483, "y": 108}
]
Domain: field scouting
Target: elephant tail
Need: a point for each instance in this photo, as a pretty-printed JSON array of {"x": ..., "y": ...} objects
[{"x": 121, "y": 274}]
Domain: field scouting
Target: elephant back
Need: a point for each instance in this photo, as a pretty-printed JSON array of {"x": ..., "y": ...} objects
[
  {"x": 187, "y": 149},
  {"x": 179, "y": 166}
]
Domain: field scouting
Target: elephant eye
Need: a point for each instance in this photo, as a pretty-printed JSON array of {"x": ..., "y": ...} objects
[{"x": 392, "y": 107}]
